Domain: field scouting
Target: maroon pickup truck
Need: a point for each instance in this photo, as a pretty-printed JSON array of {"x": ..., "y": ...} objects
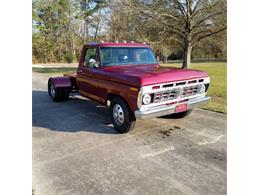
[{"x": 127, "y": 78}]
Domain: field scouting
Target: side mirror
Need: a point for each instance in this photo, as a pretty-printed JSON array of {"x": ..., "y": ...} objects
[{"x": 93, "y": 63}]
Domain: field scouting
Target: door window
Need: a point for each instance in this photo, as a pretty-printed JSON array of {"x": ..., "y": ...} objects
[{"x": 89, "y": 57}]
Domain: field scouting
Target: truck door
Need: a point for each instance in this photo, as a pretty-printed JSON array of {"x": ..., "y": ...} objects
[{"x": 88, "y": 72}]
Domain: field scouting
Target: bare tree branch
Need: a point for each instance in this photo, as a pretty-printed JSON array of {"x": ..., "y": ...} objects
[
  {"x": 197, "y": 24},
  {"x": 208, "y": 35},
  {"x": 196, "y": 6}
]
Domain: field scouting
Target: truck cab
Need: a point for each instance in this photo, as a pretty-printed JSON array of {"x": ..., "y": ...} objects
[{"x": 127, "y": 78}]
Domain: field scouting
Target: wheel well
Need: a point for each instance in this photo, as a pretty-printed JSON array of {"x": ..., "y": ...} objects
[{"x": 110, "y": 96}]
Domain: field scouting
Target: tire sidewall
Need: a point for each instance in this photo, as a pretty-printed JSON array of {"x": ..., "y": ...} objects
[
  {"x": 61, "y": 94},
  {"x": 128, "y": 121},
  {"x": 49, "y": 91}
]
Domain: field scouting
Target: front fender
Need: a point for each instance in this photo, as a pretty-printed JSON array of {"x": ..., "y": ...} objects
[{"x": 61, "y": 82}]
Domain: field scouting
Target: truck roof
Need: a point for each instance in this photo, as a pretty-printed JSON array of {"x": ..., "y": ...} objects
[{"x": 117, "y": 44}]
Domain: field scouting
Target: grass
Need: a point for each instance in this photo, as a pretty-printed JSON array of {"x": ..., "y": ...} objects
[
  {"x": 55, "y": 70},
  {"x": 216, "y": 70},
  {"x": 218, "y": 83}
]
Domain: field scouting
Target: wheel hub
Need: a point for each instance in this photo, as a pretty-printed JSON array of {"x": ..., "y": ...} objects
[
  {"x": 52, "y": 90},
  {"x": 118, "y": 114}
]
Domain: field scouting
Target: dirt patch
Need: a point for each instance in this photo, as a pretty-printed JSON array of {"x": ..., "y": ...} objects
[{"x": 167, "y": 132}]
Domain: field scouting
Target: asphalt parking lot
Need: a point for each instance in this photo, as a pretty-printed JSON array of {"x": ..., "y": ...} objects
[{"x": 76, "y": 151}]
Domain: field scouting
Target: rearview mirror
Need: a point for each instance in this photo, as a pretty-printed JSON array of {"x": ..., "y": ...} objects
[{"x": 93, "y": 63}]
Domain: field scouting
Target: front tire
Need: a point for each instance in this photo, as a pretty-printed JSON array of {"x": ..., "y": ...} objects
[{"x": 121, "y": 116}]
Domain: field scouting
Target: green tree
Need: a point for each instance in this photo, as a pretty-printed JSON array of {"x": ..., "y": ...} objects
[
  {"x": 187, "y": 22},
  {"x": 55, "y": 24},
  {"x": 88, "y": 8}
]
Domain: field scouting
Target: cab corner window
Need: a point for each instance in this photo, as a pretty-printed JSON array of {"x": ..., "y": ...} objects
[{"x": 90, "y": 57}]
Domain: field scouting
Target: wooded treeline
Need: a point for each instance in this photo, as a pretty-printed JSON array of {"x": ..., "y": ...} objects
[{"x": 175, "y": 29}]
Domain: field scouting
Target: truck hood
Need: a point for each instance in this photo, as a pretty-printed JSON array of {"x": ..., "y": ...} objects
[{"x": 142, "y": 75}]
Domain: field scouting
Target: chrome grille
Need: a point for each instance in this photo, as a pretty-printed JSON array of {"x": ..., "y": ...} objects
[
  {"x": 167, "y": 95},
  {"x": 181, "y": 92},
  {"x": 189, "y": 91}
]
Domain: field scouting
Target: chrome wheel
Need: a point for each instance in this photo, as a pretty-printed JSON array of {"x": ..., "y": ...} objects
[
  {"x": 118, "y": 114},
  {"x": 52, "y": 90}
]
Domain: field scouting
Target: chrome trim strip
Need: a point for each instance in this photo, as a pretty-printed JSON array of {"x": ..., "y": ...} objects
[{"x": 162, "y": 110}]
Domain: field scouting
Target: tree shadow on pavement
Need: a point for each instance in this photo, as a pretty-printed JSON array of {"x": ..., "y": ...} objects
[{"x": 77, "y": 114}]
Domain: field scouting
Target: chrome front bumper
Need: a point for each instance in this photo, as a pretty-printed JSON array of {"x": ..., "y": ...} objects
[{"x": 169, "y": 109}]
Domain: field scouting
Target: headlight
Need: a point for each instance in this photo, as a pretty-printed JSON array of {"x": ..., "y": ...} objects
[
  {"x": 202, "y": 89},
  {"x": 146, "y": 99}
]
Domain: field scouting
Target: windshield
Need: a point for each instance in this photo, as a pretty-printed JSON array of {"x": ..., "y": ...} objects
[{"x": 113, "y": 56}]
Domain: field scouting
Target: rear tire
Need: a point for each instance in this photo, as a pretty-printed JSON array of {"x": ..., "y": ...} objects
[
  {"x": 121, "y": 116},
  {"x": 58, "y": 94}
]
